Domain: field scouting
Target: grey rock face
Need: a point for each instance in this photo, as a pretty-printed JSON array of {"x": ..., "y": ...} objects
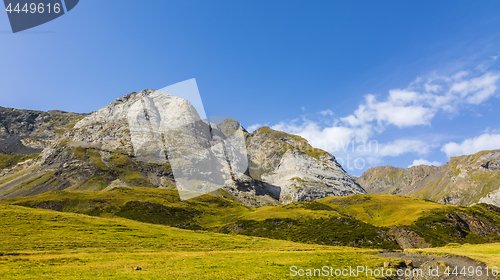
[
  {"x": 228, "y": 127},
  {"x": 27, "y": 132},
  {"x": 202, "y": 158},
  {"x": 301, "y": 172},
  {"x": 304, "y": 178},
  {"x": 283, "y": 167},
  {"x": 492, "y": 198}
]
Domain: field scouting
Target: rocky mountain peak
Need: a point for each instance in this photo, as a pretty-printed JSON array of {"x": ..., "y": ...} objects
[
  {"x": 127, "y": 144},
  {"x": 464, "y": 180},
  {"x": 229, "y": 126}
]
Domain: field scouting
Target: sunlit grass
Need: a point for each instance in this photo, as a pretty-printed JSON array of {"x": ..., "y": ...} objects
[
  {"x": 383, "y": 210},
  {"x": 38, "y": 243},
  {"x": 272, "y": 212},
  {"x": 242, "y": 264}
]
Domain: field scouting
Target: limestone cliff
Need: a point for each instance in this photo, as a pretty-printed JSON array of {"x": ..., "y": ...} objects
[{"x": 302, "y": 172}]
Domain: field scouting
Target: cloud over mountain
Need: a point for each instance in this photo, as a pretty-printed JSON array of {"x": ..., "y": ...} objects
[
  {"x": 485, "y": 141},
  {"x": 417, "y": 105}
]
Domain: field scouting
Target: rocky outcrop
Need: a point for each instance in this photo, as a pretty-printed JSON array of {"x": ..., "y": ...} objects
[
  {"x": 464, "y": 180},
  {"x": 28, "y": 132},
  {"x": 408, "y": 239},
  {"x": 492, "y": 198},
  {"x": 304, "y": 178},
  {"x": 302, "y": 172}
]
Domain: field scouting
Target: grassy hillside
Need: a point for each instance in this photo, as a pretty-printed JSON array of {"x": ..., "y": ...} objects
[
  {"x": 150, "y": 205},
  {"x": 39, "y": 243},
  {"x": 383, "y": 210},
  {"x": 370, "y": 221},
  {"x": 310, "y": 222},
  {"x": 437, "y": 224},
  {"x": 377, "y": 221},
  {"x": 86, "y": 169},
  {"x": 8, "y": 161}
]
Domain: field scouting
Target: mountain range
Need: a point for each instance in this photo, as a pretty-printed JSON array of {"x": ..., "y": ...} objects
[
  {"x": 464, "y": 180},
  {"x": 95, "y": 152},
  {"x": 55, "y": 150}
]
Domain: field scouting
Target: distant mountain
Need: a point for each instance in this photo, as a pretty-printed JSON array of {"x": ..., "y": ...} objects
[
  {"x": 29, "y": 132},
  {"x": 96, "y": 152},
  {"x": 464, "y": 180}
]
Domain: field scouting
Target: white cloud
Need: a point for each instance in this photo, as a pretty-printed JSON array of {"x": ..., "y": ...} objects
[
  {"x": 330, "y": 139},
  {"x": 422, "y": 99},
  {"x": 482, "y": 142},
  {"x": 402, "y": 97},
  {"x": 399, "y": 110},
  {"x": 415, "y": 105},
  {"x": 424, "y": 162},
  {"x": 254, "y": 127},
  {"x": 326, "y": 113},
  {"x": 476, "y": 90},
  {"x": 353, "y": 140},
  {"x": 404, "y": 146},
  {"x": 432, "y": 88},
  {"x": 460, "y": 75}
]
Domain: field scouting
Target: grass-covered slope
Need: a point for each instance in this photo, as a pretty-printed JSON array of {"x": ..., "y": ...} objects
[
  {"x": 373, "y": 221},
  {"x": 383, "y": 210},
  {"x": 78, "y": 168},
  {"x": 310, "y": 222},
  {"x": 427, "y": 223},
  {"x": 380, "y": 221},
  {"x": 44, "y": 244},
  {"x": 8, "y": 161},
  {"x": 149, "y": 205}
]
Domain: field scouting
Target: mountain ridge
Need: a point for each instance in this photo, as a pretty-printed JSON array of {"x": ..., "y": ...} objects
[
  {"x": 28, "y": 131},
  {"x": 464, "y": 180},
  {"x": 97, "y": 153}
]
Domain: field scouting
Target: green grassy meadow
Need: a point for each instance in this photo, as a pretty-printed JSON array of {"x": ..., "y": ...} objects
[
  {"x": 39, "y": 243},
  {"x": 105, "y": 234},
  {"x": 364, "y": 221}
]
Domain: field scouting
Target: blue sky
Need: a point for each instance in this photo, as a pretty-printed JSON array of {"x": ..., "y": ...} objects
[{"x": 418, "y": 77}]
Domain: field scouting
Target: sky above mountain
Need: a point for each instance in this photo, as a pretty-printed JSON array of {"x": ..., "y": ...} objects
[{"x": 375, "y": 83}]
